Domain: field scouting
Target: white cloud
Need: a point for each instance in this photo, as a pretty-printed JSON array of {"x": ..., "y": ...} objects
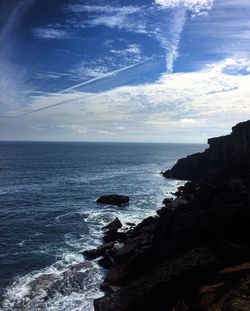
[
  {"x": 105, "y": 132},
  {"x": 178, "y": 107},
  {"x": 166, "y": 27},
  {"x": 108, "y": 9},
  {"x": 233, "y": 66},
  {"x": 197, "y": 7},
  {"x": 170, "y": 40},
  {"x": 50, "y": 33}
]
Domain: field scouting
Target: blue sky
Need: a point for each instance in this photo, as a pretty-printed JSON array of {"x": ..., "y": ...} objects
[{"x": 156, "y": 71}]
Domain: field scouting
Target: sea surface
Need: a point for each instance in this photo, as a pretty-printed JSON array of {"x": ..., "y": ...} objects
[{"x": 49, "y": 214}]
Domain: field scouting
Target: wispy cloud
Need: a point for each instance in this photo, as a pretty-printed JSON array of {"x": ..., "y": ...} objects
[
  {"x": 14, "y": 17},
  {"x": 50, "y": 33},
  {"x": 108, "y": 9},
  {"x": 14, "y": 89},
  {"x": 115, "y": 60},
  {"x": 51, "y": 75},
  {"x": 164, "y": 20},
  {"x": 169, "y": 110}
]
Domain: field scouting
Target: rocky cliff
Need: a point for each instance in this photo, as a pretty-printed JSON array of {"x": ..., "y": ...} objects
[
  {"x": 194, "y": 255},
  {"x": 223, "y": 152}
]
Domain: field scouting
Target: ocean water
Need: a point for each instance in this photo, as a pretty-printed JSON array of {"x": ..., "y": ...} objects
[{"x": 49, "y": 214}]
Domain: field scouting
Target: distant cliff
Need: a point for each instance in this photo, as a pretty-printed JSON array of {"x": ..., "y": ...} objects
[{"x": 223, "y": 152}]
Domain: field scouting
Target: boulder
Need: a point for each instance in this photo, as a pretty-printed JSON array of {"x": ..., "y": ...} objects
[
  {"x": 113, "y": 199},
  {"x": 113, "y": 225}
]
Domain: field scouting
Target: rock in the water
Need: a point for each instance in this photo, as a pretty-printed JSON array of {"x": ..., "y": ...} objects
[
  {"x": 113, "y": 225},
  {"x": 113, "y": 199}
]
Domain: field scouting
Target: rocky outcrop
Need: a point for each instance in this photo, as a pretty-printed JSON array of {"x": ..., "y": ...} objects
[
  {"x": 113, "y": 199},
  {"x": 160, "y": 287},
  {"x": 194, "y": 254},
  {"x": 222, "y": 153}
]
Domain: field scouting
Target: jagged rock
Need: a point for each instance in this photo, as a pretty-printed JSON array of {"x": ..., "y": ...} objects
[
  {"x": 212, "y": 212},
  {"x": 162, "y": 287},
  {"x": 113, "y": 199},
  {"x": 97, "y": 252},
  {"x": 113, "y": 225},
  {"x": 222, "y": 152}
]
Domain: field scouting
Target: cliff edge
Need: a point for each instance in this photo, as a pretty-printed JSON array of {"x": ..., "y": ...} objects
[
  {"x": 194, "y": 255},
  {"x": 223, "y": 152}
]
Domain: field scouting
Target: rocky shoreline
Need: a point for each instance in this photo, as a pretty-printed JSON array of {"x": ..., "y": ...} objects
[{"x": 195, "y": 253}]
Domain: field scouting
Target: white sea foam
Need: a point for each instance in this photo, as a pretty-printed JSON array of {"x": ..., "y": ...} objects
[{"x": 42, "y": 290}]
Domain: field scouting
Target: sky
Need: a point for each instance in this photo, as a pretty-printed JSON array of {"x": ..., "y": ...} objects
[{"x": 136, "y": 71}]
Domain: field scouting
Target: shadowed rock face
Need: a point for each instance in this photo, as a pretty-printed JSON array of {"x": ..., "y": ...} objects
[
  {"x": 223, "y": 152},
  {"x": 195, "y": 254}
]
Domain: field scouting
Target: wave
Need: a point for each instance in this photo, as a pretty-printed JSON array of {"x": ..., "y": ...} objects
[{"x": 68, "y": 284}]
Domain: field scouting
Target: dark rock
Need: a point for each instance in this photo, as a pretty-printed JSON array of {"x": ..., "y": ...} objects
[
  {"x": 229, "y": 291},
  {"x": 167, "y": 201},
  {"x": 106, "y": 261},
  {"x": 171, "y": 261},
  {"x": 161, "y": 288},
  {"x": 121, "y": 237},
  {"x": 106, "y": 287},
  {"x": 113, "y": 225},
  {"x": 97, "y": 252},
  {"x": 113, "y": 199},
  {"x": 222, "y": 152},
  {"x": 110, "y": 236},
  {"x": 232, "y": 254}
]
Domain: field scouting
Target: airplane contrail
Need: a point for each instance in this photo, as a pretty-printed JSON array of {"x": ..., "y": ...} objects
[{"x": 109, "y": 74}]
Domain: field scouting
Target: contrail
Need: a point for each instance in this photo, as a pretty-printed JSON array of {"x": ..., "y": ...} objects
[
  {"x": 47, "y": 107},
  {"x": 109, "y": 74}
]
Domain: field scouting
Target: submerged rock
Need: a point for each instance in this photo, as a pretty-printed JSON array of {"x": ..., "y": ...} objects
[{"x": 113, "y": 199}]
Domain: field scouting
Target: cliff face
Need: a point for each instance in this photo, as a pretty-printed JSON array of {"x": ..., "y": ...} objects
[
  {"x": 223, "y": 152},
  {"x": 195, "y": 254}
]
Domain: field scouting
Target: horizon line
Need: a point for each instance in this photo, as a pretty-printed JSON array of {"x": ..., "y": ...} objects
[{"x": 93, "y": 142}]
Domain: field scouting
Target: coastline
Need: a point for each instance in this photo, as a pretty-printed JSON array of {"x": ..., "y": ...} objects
[{"x": 195, "y": 254}]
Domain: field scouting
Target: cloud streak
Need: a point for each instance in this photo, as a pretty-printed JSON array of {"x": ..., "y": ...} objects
[
  {"x": 13, "y": 89},
  {"x": 169, "y": 110},
  {"x": 50, "y": 33},
  {"x": 76, "y": 86}
]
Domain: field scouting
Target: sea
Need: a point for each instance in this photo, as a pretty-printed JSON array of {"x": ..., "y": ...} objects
[{"x": 49, "y": 214}]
